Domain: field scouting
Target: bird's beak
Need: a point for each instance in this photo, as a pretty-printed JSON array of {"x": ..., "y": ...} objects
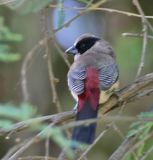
[{"x": 72, "y": 50}]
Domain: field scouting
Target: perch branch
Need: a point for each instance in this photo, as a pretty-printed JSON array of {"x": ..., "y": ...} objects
[{"x": 126, "y": 95}]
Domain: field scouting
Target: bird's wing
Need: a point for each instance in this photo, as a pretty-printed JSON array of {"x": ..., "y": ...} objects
[
  {"x": 108, "y": 75},
  {"x": 76, "y": 80}
]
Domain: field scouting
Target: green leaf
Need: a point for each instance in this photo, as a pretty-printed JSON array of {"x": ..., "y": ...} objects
[
  {"x": 56, "y": 133},
  {"x": 14, "y": 4},
  {"x": 57, "y": 136},
  {"x": 5, "y": 124},
  {"x": 7, "y": 35},
  {"x": 141, "y": 126},
  {"x": 27, "y": 6},
  {"x": 22, "y": 112},
  {"x": 4, "y": 57},
  {"x": 146, "y": 115},
  {"x": 141, "y": 129}
]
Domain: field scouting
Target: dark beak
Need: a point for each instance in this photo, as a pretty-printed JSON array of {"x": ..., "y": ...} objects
[{"x": 72, "y": 50}]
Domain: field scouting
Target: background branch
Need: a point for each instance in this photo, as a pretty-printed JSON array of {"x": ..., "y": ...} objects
[{"x": 122, "y": 149}]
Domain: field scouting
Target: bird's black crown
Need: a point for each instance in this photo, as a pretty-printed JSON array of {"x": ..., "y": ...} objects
[{"x": 86, "y": 43}]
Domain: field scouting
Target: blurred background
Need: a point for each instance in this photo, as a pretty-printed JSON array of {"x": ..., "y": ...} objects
[{"x": 24, "y": 23}]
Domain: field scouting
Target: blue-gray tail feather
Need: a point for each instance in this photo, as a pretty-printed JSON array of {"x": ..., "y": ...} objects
[{"x": 85, "y": 134}]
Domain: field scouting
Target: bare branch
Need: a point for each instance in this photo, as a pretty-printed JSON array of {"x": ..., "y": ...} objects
[
  {"x": 146, "y": 154},
  {"x": 61, "y": 54},
  {"x": 137, "y": 144},
  {"x": 122, "y": 149},
  {"x": 145, "y": 35},
  {"x": 27, "y": 144},
  {"x": 110, "y": 10},
  {"x": 47, "y": 148},
  {"x": 14, "y": 149},
  {"x": 138, "y": 35},
  {"x": 36, "y": 158},
  {"x": 50, "y": 68}
]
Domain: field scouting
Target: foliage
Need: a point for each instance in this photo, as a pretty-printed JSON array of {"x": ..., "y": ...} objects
[
  {"x": 34, "y": 6},
  {"x": 141, "y": 130},
  {"x": 57, "y": 136},
  {"x": 7, "y": 37},
  {"x": 10, "y": 113},
  {"x": 26, "y": 6},
  {"x": 20, "y": 113},
  {"x": 26, "y": 113}
]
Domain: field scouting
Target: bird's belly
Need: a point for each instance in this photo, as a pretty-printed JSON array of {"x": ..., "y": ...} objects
[{"x": 105, "y": 95}]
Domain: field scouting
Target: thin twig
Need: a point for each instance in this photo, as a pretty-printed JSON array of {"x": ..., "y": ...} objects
[
  {"x": 36, "y": 158},
  {"x": 144, "y": 46},
  {"x": 47, "y": 148},
  {"x": 138, "y": 35},
  {"x": 14, "y": 149},
  {"x": 59, "y": 117},
  {"x": 145, "y": 34},
  {"x": 2, "y": 2},
  {"x": 136, "y": 145},
  {"x": 146, "y": 154},
  {"x": 116, "y": 128},
  {"x": 110, "y": 10},
  {"x": 28, "y": 144},
  {"x": 50, "y": 68},
  {"x": 62, "y": 54},
  {"x": 122, "y": 149},
  {"x": 144, "y": 19},
  {"x": 24, "y": 67}
]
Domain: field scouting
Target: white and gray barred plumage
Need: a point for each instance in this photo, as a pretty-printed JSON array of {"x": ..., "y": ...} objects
[{"x": 108, "y": 75}]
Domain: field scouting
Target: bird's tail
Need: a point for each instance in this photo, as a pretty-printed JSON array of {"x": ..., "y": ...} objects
[
  {"x": 87, "y": 108},
  {"x": 85, "y": 134}
]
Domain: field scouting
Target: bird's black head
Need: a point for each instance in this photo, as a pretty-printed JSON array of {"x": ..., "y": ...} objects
[{"x": 82, "y": 44}]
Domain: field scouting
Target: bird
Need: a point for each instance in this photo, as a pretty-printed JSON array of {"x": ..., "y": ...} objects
[{"x": 92, "y": 79}]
